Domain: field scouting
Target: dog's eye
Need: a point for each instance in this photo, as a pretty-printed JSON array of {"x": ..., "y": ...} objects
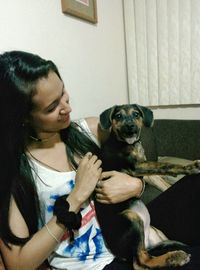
[
  {"x": 136, "y": 114},
  {"x": 118, "y": 116}
]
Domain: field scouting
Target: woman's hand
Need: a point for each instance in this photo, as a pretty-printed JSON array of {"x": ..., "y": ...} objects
[
  {"x": 115, "y": 187},
  {"x": 88, "y": 173}
]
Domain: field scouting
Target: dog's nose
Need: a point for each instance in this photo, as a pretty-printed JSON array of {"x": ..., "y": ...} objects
[
  {"x": 130, "y": 124},
  {"x": 130, "y": 127}
]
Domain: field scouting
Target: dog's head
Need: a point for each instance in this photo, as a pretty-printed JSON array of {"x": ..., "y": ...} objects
[{"x": 126, "y": 121}]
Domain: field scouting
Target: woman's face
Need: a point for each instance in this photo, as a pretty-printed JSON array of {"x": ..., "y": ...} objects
[{"x": 51, "y": 109}]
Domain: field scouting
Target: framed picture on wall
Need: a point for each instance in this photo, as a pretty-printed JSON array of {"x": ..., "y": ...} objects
[{"x": 83, "y": 9}]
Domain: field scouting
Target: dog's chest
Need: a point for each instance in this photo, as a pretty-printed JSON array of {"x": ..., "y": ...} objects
[
  {"x": 137, "y": 152},
  {"x": 117, "y": 156}
]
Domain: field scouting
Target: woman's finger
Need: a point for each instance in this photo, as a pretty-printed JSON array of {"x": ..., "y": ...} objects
[
  {"x": 88, "y": 154},
  {"x": 101, "y": 196},
  {"x": 86, "y": 158},
  {"x": 98, "y": 163},
  {"x": 102, "y": 199},
  {"x": 107, "y": 174},
  {"x": 99, "y": 184}
]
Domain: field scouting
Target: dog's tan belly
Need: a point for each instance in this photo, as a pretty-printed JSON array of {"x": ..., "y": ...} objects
[{"x": 153, "y": 236}]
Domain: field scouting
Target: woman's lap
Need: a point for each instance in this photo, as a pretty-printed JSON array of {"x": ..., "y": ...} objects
[
  {"x": 194, "y": 263},
  {"x": 118, "y": 265},
  {"x": 176, "y": 211}
]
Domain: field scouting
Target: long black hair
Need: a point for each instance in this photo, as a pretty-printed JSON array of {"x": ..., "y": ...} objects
[{"x": 19, "y": 74}]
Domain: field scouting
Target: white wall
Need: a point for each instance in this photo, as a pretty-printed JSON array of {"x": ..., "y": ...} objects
[
  {"x": 91, "y": 58},
  {"x": 177, "y": 112}
]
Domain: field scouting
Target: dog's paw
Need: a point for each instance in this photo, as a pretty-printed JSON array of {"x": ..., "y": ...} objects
[
  {"x": 136, "y": 266},
  {"x": 177, "y": 258},
  {"x": 193, "y": 167}
]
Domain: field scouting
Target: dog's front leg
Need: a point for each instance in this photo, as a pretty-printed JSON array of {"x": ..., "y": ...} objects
[{"x": 164, "y": 168}]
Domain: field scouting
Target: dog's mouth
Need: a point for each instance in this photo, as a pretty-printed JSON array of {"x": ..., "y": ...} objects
[
  {"x": 131, "y": 138},
  {"x": 128, "y": 133}
]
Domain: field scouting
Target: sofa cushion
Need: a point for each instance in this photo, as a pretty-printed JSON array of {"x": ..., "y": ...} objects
[
  {"x": 149, "y": 143},
  {"x": 178, "y": 138}
]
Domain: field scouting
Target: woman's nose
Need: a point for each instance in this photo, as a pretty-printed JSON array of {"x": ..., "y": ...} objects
[{"x": 65, "y": 108}]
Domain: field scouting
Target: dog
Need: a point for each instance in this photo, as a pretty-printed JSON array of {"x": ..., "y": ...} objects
[{"x": 126, "y": 226}]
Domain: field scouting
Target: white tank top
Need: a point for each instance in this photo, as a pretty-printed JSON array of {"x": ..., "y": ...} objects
[{"x": 88, "y": 251}]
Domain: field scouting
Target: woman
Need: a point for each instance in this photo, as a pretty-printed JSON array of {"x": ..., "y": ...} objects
[{"x": 45, "y": 156}]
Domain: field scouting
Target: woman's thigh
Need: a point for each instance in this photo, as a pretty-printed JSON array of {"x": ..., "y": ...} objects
[
  {"x": 194, "y": 263},
  {"x": 118, "y": 265},
  {"x": 176, "y": 211}
]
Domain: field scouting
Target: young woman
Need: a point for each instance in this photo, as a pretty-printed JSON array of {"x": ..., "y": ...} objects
[
  {"x": 49, "y": 172},
  {"x": 45, "y": 156}
]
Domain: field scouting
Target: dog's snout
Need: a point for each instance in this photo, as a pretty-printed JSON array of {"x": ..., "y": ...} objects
[
  {"x": 130, "y": 124},
  {"x": 130, "y": 127}
]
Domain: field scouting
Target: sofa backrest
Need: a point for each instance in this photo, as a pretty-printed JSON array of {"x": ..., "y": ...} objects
[{"x": 169, "y": 137}]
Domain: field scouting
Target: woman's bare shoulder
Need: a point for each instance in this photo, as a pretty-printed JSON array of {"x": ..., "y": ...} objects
[
  {"x": 95, "y": 127},
  {"x": 93, "y": 123}
]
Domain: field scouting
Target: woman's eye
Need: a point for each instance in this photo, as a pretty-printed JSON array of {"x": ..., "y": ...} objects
[{"x": 51, "y": 109}]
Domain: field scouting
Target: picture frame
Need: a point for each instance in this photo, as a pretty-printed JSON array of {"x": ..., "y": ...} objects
[{"x": 83, "y": 9}]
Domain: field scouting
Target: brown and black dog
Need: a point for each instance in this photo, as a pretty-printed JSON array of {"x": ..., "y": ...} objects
[{"x": 126, "y": 226}]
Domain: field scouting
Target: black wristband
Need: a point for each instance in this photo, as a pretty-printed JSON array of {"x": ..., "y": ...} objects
[{"x": 69, "y": 219}]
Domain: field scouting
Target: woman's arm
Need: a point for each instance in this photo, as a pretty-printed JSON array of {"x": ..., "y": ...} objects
[
  {"x": 118, "y": 187},
  {"x": 36, "y": 250},
  {"x": 31, "y": 255}
]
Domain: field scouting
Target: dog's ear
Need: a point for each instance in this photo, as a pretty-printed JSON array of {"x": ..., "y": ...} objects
[
  {"x": 147, "y": 115},
  {"x": 106, "y": 118}
]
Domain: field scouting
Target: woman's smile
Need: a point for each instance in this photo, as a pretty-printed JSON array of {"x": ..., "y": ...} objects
[{"x": 65, "y": 118}]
